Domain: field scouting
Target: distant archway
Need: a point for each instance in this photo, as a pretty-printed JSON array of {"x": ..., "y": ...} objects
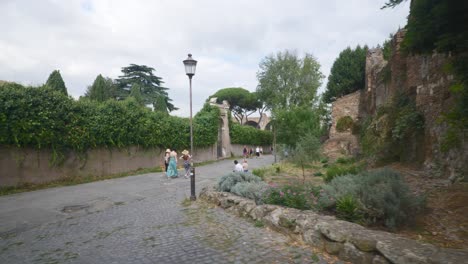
[
  {"x": 251, "y": 123},
  {"x": 268, "y": 126}
]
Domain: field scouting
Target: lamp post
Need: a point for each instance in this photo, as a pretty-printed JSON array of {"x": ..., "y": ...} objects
[{"x": 190, "y": 66}]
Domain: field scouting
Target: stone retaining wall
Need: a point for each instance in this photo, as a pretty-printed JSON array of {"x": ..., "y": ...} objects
[
  {"x": 27, "y": 165},
  {"x": 351, "y": 242}
]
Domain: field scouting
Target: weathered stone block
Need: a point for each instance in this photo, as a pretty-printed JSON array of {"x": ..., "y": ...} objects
[
  {"x": 402, "y": 250},
  {"x": 350, "y": 253},
  {"x": 333, "y": 247},
  {"x": 338, "y": 230},
  {"x": 314, "y": 238},
  {"x": 380, "y": 260}
]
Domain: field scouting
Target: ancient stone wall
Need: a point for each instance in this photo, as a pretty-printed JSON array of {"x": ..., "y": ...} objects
[
  {"x": 423, "y": 79},
  {"x": 349, "y": 241},
  {"x": 343, "y": 143}
]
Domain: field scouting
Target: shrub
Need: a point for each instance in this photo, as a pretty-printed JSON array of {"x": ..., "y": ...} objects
[
  {"x": 249, "y": 135},
  {"x": 381, "y": 196},
  {"x": 227, "y": 182},
  {"x": 345, "y": 160},
  {"x": 260, "y": 172},
  {"x": 251, "y": 190},
  {"x": 318, "y": 174},
  {"x": 339, "y": 187},
  {"x": 347, "y": 208},
  {"x": 386, "y": 197},
  {"x": 337, "y": 170},
  {"x": 344, "y": 123},
  {"x": 299, "y": 197}
]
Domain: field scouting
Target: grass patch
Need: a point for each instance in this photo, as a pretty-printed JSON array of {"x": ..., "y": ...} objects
[
  {"x": 69, "y": 181},
  {"x": 186, "y": 202},
  {"x": 259, "y": 224}
]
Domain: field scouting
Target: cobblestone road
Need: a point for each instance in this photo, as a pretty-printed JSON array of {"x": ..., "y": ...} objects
[{"x": 137, "y": 219}]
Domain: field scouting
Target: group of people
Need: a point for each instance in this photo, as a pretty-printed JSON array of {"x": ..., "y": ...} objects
[
  {"x": 170, "y": 163},
  {"x": 248, "y": 152},
  {"x": 244, "y": 167}
]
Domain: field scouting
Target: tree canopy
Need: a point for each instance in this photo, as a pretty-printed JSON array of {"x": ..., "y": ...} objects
[
  {"x": 347, "y": 73},
  {"x": 55, "y": 82},
  {"x": 286, "y": 80},
  {"x": 242, "y": 103},
  {"x": 149, "y": 85},
  {"x": 294, "y": 123},
  {"x": 435, "y": 25},
  {"x": 101, "y": 90}
]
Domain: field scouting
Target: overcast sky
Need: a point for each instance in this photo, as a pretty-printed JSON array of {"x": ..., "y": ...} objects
[{"x": 84, "y": 38}]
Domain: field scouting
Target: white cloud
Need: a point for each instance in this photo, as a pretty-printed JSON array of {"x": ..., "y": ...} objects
[{"x": 84, "y": 38}]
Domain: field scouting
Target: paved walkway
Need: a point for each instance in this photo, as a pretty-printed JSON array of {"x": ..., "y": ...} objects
[{"x": 137, "y": 219}]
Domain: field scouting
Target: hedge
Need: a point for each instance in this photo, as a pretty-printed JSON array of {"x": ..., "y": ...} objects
[
  {"x": 39, "y": 117},
  {"x": 249, "y": 135}
]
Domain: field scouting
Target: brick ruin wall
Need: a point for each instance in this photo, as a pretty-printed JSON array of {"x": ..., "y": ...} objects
[
  {"x": 422, "y": 78},
  {"x": 343, "y": 143}
]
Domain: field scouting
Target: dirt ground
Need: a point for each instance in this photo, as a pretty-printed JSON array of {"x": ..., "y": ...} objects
[{"x": 443, "y": 223}]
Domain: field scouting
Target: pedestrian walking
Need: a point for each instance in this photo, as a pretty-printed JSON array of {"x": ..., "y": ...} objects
[
  {"x": 187, "y": 159},
  {"x": 245, "y": 152},
  {"x": 166, "y": 159},
  {"x": 172, "y": 168},
  {"x": 257, "y": 151},
  {"x": 251, "y": 152}
]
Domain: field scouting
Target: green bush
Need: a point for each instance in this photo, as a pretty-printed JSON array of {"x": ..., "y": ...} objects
[
  {"x": 227, "y": 182},
  {"x": 337, "y": 170},
  {"x": 345, "y": 160},
  {"x": 318, "y": 174},
  {"x": 249, "y": 135},
  {"x": 347, "y": 208},
  {"x": 381, "y": 196},
  {"x": 43, "y": 118},
  {"x": 396, "y": 127},
  {"x": 251, "y": 190},
  {"x": 344, "y": 123},
  {"x": 299, "y": 197},
  {"x": 260, "y": 172}
]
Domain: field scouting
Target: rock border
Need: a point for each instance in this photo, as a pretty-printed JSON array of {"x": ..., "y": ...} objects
[{"x": 349, "y": 241}]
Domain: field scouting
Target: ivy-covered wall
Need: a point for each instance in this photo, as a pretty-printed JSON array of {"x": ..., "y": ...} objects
[{"x": 44, "y": 119}]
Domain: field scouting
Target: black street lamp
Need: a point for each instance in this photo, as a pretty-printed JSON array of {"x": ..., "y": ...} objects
[{"x": 190, "y": 66}]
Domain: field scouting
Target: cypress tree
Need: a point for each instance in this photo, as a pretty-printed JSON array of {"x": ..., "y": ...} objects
[{"x": 55, "y": 82}]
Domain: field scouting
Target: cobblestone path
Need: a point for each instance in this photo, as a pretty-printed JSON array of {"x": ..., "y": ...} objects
[{"x": 137, "y": 219}]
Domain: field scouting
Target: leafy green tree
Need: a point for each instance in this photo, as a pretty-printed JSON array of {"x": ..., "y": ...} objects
[
  {"x": 101, "y": 90},
  {"x": 135, "y": 92},
  {"x": 392, "y": 3},
  {"x": 285, "y": 80},
  {"x": 242, "y": 103},
  {"x": 435, "y": 25},
  {"x": 294, "y": 123},
  {"x": 148, "y": 84},
  {"x": 347, "y": 74},
  {"x": 306, "y": 151},
  {"x": 55, "y": 82}
]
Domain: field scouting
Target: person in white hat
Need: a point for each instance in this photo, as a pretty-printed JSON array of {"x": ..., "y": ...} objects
[{"x": 187, "y": 158}]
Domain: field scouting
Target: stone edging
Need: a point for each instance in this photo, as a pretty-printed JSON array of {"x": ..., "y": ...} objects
[{"x": 351, "y": 242}]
